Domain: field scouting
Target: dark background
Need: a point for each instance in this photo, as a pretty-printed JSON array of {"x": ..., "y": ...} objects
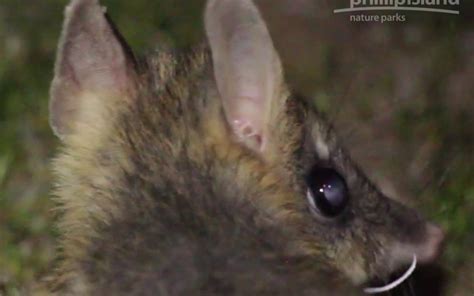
[{"x": 400, "y": 94}]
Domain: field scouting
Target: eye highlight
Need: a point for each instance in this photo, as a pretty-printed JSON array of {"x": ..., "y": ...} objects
[{"x": 327, "y": 191}]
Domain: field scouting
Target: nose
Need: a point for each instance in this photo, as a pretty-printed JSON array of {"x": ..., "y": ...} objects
[{"x": 433, "y": 244}]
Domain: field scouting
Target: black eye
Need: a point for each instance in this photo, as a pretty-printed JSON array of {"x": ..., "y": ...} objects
[{"x": 327, "y": 191}]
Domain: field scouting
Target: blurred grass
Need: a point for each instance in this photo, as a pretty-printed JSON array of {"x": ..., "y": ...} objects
[
  {"x": 428, "y": 119},
  {"x": 26, "y": 232}
]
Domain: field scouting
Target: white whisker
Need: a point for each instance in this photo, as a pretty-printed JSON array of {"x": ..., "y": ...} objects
[{"x": 395, "y": 283}]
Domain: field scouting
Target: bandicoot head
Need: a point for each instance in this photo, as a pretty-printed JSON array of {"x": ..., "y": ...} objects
[{"x": 202, "y": 173}]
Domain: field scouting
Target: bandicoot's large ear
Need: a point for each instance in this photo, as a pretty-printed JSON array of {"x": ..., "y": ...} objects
[
  {"x": 246, "y": 66},
  {"x": 92, "y": 58}
]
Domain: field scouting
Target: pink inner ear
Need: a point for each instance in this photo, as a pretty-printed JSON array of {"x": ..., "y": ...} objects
[
  {"x": 247, "y": 119},
  {"x": 246, "y": 67}
]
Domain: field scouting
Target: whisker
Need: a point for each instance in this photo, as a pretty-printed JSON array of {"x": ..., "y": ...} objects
[
  {"x": 410, "y": 286},
  {"x": 395, "y": 283},
  {"x": 405, "y": 290}
]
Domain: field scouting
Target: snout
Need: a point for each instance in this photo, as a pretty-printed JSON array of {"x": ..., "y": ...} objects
[
  {"x": 431, "y": 247},
  {"x": 426, "y": 248}
]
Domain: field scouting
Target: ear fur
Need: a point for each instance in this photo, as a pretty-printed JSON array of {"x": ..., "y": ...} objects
[
  {"x": 92, "y": 58},
  {"x": 247, "y": 68}
]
